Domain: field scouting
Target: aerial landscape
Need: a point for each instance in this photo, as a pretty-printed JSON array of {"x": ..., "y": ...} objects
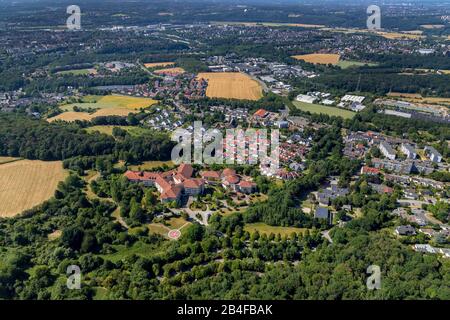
[{"x": 97, "y": 202}]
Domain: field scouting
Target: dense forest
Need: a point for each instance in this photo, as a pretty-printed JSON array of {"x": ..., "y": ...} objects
[{"x": 36, "y": 139}]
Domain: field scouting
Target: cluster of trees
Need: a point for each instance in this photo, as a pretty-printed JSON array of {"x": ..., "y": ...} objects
[
  {"x": 35, "y": 139},
  {"x": 325, "y": 159},
  {"x": 384, "y": 80},
  {"x": 269, "y": 102}
]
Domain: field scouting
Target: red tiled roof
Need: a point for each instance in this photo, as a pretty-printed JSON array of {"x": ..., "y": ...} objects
[
  {"x": 247, "y": 184},
  {"x": 185, "y": 170},
  {"x": 261, "y": 113},
  {"x": 141, "y": 175},
  {"x": 171, "y": 193},
  {"x": 388, "y": 190},
  {"x": 370, "y": 170},
  {"x": 228, "y": 172},
  {"x": 193, "y": 183},
  {"x": 163, "y": 183},
  {"x": 210, "y": 174},
  {"x": 232, "y": 179}
]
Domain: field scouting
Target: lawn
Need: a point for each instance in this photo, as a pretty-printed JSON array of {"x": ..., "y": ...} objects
[
  {"x": 331, "y": 111},
  {"x": 78, "y": 72},
  {"x": 139, "y": 248},
  {"x": 345, "y": 64},
  {"x": 134, "y": 131},
  {"x": 149, "y": 165},
  {"x": 263, "y": 228}
]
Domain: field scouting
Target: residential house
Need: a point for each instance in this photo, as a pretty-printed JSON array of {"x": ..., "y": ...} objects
[
  {"x": 405, "y": 230},
  {"x": 433, "y": 154},
  {"x": 408, "y": 150},
  {"x": 387, "y": 150}
]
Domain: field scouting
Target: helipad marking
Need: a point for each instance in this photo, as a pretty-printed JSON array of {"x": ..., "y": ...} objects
[{"x": 174, "y": 234}]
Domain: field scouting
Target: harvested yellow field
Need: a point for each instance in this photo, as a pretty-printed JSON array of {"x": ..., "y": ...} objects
[
  {"x": 71, "y": 116},
  {"x": 398, "y": 35},
  {"x": 319, "y": 58},
  {"x": 231, "y": 85},
  {"x": 388, "y": 35},
  {"x": 158, "y": 64},
  {"x": 25, "y": 184},
  {"x": 113, "y": 105},
  {"x": 170, "y": 71}
]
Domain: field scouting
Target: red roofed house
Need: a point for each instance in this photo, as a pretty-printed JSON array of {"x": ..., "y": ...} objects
[
  {"x": 260, "y": 114},
  {"x": 171, "y": 184},
  {"x": 147, "y": 178},
  {"x": 369, "y": 171},
  {"x": 210, "y": 175},
  {"x": 194, "y": 187},
  {"x": 247, "y": 187},
  {"x": 230, "y": 179},
  {"x": 173, "y": 193}
]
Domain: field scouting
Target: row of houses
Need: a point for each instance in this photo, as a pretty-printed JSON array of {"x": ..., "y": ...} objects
[
  {"x": 389, "y": 152},
  {"x": 403, "y": 167},
  {"x": 174, "y": 184}
]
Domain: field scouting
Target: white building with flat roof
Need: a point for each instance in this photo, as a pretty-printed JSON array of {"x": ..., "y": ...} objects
[
  {"x": 306, "y": 98},
  {"x": 387, "y": 150},
  {"x": 408, "y": 150},
  {"x": 433, "y": 154},
  {"x": 352, "y": 98}
]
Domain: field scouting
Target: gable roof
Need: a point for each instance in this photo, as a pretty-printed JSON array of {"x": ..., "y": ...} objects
[
  {"x": 261, "y": 113},
  {"x": 185, "y": 170},
  {"x": 141, "y": 175}
]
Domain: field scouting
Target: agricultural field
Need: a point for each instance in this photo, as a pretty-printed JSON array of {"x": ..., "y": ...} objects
[
  {"x": 232, "y": 85},
  {"x": 398, "y": 35},
  {"x": 319, "y": 58},
  {"x": 105, "y": 105},
  {"x": 331, "y": 111},
  {"x": 25, "y": 184},
  {"x": 388, "y": 35},
  {"x": 170, "y": 71},
  {"x": 158, "y": 64},
  {"x": 263, "y": 228}
]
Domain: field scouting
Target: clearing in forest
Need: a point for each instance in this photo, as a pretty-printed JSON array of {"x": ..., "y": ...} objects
[{"x": 112, "y": 105}]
